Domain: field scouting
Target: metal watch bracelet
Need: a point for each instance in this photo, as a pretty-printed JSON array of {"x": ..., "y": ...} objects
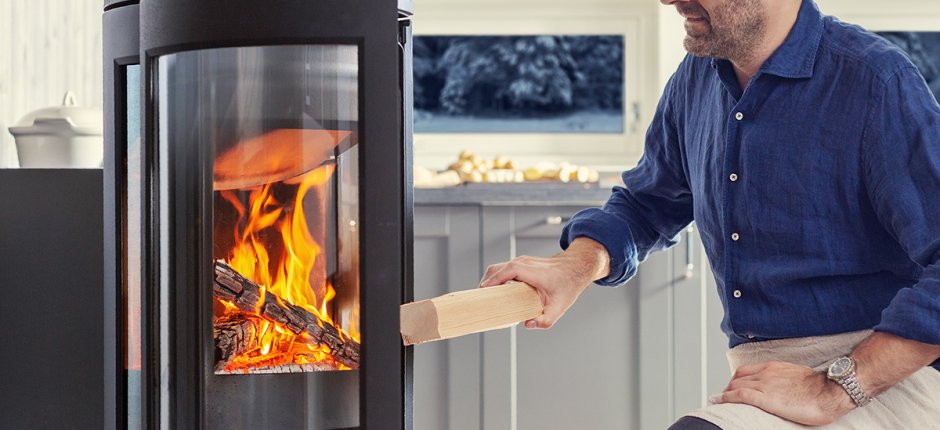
[{"x": 851, "y": 386}]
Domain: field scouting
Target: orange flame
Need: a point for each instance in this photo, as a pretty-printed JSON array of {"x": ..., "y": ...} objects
[{"x": 289, "y": 278}]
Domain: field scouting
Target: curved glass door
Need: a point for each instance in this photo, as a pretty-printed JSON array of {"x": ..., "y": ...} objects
[{"x": 282, "y": 132}]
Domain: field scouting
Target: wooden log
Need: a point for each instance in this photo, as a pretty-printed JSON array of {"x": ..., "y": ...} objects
[
  {"x": 469, "y": 311},
  {"x": 232, "y": 287},
  {"x": 239, "y": 333},
  {"x": 234, "y": 336},
  {"x": 281, "y": 368}
]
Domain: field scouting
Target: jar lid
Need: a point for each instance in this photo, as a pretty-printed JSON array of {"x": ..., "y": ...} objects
[{"x": 67, "y": 120}]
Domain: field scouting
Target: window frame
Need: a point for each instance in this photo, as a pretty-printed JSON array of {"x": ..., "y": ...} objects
[{"x": 438, "y": 150}]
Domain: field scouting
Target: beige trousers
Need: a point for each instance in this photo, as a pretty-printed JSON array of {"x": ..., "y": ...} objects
[{"x": 912, "y": 404}]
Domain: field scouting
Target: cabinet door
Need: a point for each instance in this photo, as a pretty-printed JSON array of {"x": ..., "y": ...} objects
[
  {"x": 580, "y": 374},
  {"x": 682, "y": 360},
  {"x": 447, "y": 375}
]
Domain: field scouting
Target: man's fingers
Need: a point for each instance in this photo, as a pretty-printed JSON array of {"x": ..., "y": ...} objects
[
  {"x": 748, "y": 382},
  {"x": 540, "y": 322},
  {"x": 550, "y": 315},
  {"x": 736, "y": 381},
  {"x": 496, "y": 275},
  {"x": 749, "y": 369},
  {"x": 747, "y": 396}
]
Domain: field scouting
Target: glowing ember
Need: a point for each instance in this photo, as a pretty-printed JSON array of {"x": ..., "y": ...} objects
[{"x": 268, "y": 229}]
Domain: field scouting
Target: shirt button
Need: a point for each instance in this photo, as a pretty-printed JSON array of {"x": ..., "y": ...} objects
[
  {"x": 739, "y": 116},
  {"x": 750, "y": 336},
  {"x": 733, "y": 177},
  {"x": 735, "y": 236},
  {"x": 737, "y": 294}
]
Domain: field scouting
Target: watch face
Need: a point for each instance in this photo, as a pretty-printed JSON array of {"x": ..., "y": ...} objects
[{"x": 840, "y": 367}]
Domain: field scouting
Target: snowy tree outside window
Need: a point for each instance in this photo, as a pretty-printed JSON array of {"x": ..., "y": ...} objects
[{"x": 525, "y": 84}]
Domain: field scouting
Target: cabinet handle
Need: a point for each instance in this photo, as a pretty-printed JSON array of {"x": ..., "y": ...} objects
[
  {"x": 557, "y": 220},
  {"x": 689, "y": 258}
]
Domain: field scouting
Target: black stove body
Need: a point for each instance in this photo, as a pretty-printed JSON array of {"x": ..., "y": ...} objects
[{"x": 258, "y": 213}]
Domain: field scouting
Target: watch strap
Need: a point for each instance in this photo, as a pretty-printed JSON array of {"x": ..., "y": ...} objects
[{"x": 855, "y": 391}]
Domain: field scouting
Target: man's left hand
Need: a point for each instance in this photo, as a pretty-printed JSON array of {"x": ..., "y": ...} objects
[{"x": 789, "y": 391}]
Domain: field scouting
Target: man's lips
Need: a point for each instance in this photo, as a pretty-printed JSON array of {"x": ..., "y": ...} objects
[
  {"x": 695, "y": 24},
  {"x": 692, "y": 14}
]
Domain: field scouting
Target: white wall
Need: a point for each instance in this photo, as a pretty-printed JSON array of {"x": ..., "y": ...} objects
[
  {"x": 875, "y": 15},
  {"x": 670, "y": 33},
  {"x": 46, "y": 48}
]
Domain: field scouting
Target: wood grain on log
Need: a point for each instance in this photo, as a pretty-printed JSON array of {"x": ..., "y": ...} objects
[
  {"x": 250, "y": 298},
  {"x": 234, "y": 335},
  {"x": 469, "y": 311}
]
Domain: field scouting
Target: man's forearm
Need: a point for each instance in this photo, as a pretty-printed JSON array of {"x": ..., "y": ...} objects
[
  {"x": 593, "y": 256},
  {"x": 884, "y": 359}
]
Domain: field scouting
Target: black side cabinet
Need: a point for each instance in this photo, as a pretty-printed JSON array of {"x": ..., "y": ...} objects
[{"x": 51, "y": 299}]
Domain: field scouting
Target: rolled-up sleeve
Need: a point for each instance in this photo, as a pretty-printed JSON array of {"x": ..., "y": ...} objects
[
  {"x": 649, "y": 211},
  {"x": 902, "y": 168}
]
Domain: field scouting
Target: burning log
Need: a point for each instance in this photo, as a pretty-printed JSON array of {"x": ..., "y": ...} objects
[
  {"x": 234, "y": 336},
  {"x": 251, "y": 299},
  {"x": 468, "y": 311}
]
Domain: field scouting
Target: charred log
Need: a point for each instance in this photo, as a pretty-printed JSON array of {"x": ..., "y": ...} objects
[
  {"x": 250, "y": 298},
  {"x": 234, "y": 336}
]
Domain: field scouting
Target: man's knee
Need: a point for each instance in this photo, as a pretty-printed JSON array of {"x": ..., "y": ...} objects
[{"x": 693, "y": 423}]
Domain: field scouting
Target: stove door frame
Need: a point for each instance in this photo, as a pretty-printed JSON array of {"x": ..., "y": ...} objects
[
  {"x": 169, "y": 26},
  {"x": 121, "y": 36}
]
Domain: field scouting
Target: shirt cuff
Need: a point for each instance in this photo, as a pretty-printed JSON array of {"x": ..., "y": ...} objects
[
  {"x": 611, "y": 232},
  {"x": 913, "y": 314}
]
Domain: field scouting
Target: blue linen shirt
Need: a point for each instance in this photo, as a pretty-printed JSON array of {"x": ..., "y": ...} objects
[{"x": 816, "y": 190}]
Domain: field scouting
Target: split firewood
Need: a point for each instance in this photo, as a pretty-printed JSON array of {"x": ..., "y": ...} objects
[
  {"x": 232, "y": 287},
  {"x": 469, "y": 311}
]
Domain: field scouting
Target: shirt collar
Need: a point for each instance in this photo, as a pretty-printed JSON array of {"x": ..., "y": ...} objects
[{"x": 796, "y": 57}]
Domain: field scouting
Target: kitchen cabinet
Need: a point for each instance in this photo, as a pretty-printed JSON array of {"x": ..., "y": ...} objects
[
  {"x": 633, "y": 357},
  {"x": 447, "y": 374},
  {"x": 582, "y": 372},
  {"x": 682, "y": 349},
  {"x": 51, "y": 260}
]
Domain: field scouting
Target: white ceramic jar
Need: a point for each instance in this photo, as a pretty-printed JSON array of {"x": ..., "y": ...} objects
[{"x": 64, "y": 136}]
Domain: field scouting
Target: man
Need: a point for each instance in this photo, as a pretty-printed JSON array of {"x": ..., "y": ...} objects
[{"x": 808, "y": 153}]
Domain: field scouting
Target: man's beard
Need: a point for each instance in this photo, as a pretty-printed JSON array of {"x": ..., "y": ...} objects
[{"x": 735, "y": 30}]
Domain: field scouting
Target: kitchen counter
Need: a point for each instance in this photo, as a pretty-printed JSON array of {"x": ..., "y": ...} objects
[{"x": 514, "y": 194}]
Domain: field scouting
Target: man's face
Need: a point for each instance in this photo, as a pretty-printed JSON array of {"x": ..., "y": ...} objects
[{"x": 729, "y": 29}]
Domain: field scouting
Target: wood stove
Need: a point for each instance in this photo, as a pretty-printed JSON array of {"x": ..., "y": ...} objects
[{"x": 258, "y": 231}]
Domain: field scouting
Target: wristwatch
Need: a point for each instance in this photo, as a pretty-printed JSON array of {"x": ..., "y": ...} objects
[{"x": 843, "y": 371}]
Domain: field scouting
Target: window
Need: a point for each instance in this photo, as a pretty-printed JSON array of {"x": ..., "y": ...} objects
[
  {"x": 518, "y": 84},
  {"x": 616, "y": 142}
]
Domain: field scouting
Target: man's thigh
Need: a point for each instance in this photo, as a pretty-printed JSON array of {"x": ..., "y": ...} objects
[{"x": 693, "y": 423}]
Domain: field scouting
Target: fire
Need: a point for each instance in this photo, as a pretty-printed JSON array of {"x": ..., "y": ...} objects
[{"x": 266, "y": 229}]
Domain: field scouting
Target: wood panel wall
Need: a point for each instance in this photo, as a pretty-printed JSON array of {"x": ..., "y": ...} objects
[{"x": 47, "y": 47}]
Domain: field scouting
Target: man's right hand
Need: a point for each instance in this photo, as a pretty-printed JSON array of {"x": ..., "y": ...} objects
[{"x": 559, "y": 279}]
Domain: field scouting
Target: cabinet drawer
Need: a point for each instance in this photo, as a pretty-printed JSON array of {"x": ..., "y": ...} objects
[{"x": 542, "y": 221}]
